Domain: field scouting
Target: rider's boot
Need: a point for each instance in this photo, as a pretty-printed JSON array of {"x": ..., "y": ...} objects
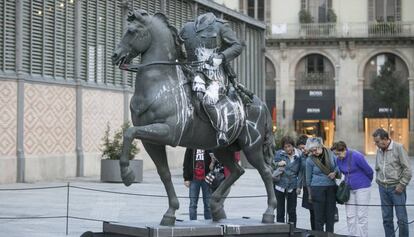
[
  {"x": 222, "y": 138},
  {"x": 218, "y": 123}
]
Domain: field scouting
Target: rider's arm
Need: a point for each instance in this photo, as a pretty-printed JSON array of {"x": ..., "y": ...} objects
[{"x": 232, "y": 46}]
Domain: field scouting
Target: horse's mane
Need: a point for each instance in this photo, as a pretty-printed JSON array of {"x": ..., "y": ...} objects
[{"x": 178, "y": 41}]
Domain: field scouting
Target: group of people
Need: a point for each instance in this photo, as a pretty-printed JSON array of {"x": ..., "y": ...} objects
[
  {"x": 316, "y": 169},
  {"x": 310, "y": 166}
]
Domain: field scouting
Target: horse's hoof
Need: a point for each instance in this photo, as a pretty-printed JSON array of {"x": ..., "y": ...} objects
[
  {"x": 168, "y": 220},
  {"x": 219, "y": 215},
  {"x": 128, "y": 177},
  {"x": 268, "y": 218}
]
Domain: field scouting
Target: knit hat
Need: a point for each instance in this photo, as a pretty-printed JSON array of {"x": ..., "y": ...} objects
[{"x": 313, "y": 142}]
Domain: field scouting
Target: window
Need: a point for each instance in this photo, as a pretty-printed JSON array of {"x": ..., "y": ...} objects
[
  {"x": 384, "y": 10},
  {"x": 318, "y": 9},
  {"x": 260, "y": 10},
  {"x": 250, "y": 8},
  {"x": 253, "y": 8},
  {"x": 315, "y": 64}
]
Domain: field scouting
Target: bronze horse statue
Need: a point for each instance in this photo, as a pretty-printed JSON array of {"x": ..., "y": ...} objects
[{"x": 163, "y": 113}]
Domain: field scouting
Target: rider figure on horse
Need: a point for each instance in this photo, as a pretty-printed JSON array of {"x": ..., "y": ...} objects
[{"x": 211, "y": 39}]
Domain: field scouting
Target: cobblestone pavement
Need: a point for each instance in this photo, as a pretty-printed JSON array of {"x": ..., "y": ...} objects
[{"x": 90, "y": 204}]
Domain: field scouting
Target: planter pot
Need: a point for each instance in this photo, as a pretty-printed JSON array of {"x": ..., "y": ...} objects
[{"x": 110, "y": 170}]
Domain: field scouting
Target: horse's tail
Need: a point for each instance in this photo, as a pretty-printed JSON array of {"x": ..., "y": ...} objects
[{"x": 269, "y": 140}]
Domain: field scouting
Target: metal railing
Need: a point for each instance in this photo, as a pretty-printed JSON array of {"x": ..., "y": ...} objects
[
  {"x": 343, "y": 30},
  {"x": 373, "y": 74},
  {"x": 312, "y": 80}
]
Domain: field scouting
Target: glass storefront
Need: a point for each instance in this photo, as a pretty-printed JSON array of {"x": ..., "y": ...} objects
[
  {"x": 317, "y": 128},
  {"x": 397, "y": 128}
]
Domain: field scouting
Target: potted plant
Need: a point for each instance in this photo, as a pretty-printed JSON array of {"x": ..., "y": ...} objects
[
  {"x": 305, "y": 18},
  {"x": 331, "y": 18},
  {"x": 111, "y": 151}
]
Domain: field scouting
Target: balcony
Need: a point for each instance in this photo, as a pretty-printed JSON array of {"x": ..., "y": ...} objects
[
  {"x": 343, "y": 30},
  {"x": 315, "y": 80}
]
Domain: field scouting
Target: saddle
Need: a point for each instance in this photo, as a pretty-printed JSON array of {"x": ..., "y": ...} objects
[{"x": 232, "y": 110}]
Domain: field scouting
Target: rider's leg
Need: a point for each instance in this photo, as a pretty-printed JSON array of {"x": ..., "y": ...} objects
[{"x": 217, "y": 118}]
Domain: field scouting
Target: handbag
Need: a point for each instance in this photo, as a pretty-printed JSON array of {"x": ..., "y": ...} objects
[
  {"x": 344, "y": 190},
  {"x": 342, "y": 193}
]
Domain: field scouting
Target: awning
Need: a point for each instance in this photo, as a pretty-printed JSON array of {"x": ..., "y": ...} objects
[
  {"x": 374, "y": 109},
  {"x": 314, "y": 105}
]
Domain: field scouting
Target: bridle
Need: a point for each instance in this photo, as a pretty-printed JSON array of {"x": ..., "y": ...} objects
[{"x": 137, "y": 67}]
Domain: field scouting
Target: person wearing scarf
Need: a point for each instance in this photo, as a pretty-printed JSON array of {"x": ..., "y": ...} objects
[{"x": 321, "y": 171}]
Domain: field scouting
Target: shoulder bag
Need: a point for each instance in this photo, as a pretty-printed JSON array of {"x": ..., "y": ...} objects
[{"x": 344, "y": 190}]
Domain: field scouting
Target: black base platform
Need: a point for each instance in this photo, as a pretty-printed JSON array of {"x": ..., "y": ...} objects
[{"x": 229, "y": 228}]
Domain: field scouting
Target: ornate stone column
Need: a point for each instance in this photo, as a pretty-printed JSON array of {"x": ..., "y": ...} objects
[
  {"x": 278, "y": 102},
  {"x": 360, "y": 115},
  {"x": 411, "y": 114}
]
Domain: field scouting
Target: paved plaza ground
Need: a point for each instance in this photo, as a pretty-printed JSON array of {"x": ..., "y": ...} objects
[{"x": 90, "y": 204}]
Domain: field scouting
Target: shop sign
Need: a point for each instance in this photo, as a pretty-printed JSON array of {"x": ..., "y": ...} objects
[
  {"x": 385, "y": 110},
  {"x": 313, "y": 110},
  {"x": 315, "y": 93}
]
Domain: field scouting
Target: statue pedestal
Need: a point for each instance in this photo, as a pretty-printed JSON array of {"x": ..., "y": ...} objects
[
  {"x": 225, "y": 228},
  {"x": 231, "y": 227}
]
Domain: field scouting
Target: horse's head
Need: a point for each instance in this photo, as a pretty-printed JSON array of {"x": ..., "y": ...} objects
[
  {"x": 135, "y": 40},
  {"x": 144, "y": 30}
]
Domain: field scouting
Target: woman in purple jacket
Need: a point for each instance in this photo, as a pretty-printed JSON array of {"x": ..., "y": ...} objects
[{"x": 358, "y": 175}]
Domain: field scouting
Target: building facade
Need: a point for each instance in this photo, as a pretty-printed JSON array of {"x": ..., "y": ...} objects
[
  {"x": 321, "y": 59},
  {"x": 59, "y": 90}
]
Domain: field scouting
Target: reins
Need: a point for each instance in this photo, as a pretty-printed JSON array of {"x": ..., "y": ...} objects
[{"x": 137, "y": 67}]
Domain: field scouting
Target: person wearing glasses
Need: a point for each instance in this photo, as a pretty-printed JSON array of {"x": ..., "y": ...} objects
[
  {"x": 393, "y": 174},
  {"x": 321, "y": 171},
  {"x": 358, "y": 175}
]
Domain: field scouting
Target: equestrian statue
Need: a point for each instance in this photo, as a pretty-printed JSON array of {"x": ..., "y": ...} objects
[{"x": 186, "y": 94}]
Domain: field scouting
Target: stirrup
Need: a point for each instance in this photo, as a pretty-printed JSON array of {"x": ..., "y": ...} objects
[{"x": 222, "y": 139}]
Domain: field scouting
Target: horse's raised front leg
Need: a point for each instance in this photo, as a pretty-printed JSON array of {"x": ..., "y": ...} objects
[
  {"x": 159, "y": 156},
  {"x": 255, "y": 157},
  {"x": 218, "y": 197},
  {"x": 153, "y": 132}
]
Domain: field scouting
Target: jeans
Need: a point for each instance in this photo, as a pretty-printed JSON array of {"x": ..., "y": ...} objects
[
  {"x": 324, "y": 204},
  {"x": 291, "y": 206},
  {"x": 195, "y": 187},
  {"x": 357, "y": 215},
  {"x": 389, "y": 200}
]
